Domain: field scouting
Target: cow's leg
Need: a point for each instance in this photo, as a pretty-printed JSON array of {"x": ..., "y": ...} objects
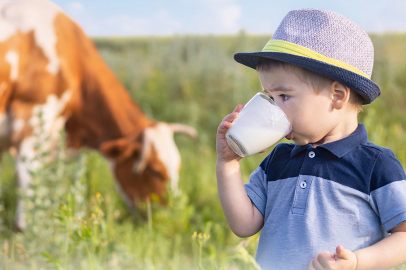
[
  {"x": 28, "y": 163},
  {"x": 46, "y": 122},
  {"x": 25, "y": 162}
]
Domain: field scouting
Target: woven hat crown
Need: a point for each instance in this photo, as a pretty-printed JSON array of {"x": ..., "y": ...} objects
[
  {"x": 324, "y": 42},
  {"x": 330, "y": 34}
]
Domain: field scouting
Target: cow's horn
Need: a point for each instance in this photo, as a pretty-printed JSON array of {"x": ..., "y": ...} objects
[
  {"x": 185, "y": 129},
  {"x": 141, "y": 163}
]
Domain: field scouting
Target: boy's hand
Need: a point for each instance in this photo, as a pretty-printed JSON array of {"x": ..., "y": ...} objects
[
  {"x": 224, "y": 152},
  {"x": 343, "y": 259}
]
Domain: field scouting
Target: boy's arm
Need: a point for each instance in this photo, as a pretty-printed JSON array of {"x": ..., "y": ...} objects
[
  {"x": 242, "y": 216},
  {"x": 387, "y": 253}
]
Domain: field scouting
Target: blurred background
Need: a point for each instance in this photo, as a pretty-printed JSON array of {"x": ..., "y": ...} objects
[
  {"x": 160, "y": 17},
  {"x": 175, "y": 58}
]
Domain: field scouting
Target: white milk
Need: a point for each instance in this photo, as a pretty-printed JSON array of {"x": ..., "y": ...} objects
[{"x": 259, "y": 125}]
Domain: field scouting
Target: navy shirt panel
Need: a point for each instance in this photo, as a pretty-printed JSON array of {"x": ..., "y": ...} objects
[
  {"x": 354, "y": 169},
  {"x": 365, "y": 168},
  {"x": 387, "y": 168},
  {"x": 278, "y": 164}
]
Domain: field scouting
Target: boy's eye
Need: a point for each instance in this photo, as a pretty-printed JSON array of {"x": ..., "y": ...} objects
[{"x": 284, "y": 97}]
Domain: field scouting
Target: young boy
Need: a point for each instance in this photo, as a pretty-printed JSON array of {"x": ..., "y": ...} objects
[{"x": 332, "y": 200}]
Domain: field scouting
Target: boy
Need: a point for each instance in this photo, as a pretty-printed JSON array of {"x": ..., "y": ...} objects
[{"x": 332, "y": 200}]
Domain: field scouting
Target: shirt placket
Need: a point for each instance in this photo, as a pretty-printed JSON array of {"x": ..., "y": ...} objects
[{"x": 303, "y": 184}]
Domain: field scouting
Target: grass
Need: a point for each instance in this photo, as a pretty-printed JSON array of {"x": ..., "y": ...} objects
[{"x": 77, "y": 219}]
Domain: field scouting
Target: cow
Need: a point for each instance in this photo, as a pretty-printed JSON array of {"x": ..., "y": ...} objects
[{"x": 52, "y": 74}]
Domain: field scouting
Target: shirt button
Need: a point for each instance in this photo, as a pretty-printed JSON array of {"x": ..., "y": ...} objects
[
  {"x": 312, "y": 154},
  {"x": 303, "y": 185}
]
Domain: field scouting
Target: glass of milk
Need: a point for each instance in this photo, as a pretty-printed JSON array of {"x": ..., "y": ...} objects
[{"x": 259, "y": 125}]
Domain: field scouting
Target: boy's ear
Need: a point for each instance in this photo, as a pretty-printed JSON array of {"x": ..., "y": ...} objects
[{"x": 340, "y": 95}]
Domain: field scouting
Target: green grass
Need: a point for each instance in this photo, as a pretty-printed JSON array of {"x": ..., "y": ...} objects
[{"x": 187, "y": 79}]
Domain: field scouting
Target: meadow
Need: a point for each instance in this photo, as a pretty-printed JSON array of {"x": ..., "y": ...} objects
[{"x": 76, "y": 218}]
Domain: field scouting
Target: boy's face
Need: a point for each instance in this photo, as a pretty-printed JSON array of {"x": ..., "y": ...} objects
[{"x": 309, "y": 112}]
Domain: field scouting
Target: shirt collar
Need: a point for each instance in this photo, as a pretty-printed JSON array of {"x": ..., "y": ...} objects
[{"x": 341, "y": 147}]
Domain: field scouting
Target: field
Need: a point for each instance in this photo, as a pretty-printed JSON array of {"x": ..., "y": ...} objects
[{"x": 76, "y": 218}]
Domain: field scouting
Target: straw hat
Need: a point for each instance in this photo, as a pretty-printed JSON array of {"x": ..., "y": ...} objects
[{"x": 324, "y": 42}]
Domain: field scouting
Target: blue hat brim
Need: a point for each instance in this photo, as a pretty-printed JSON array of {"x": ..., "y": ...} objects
[{"x": 365, "y": 87}]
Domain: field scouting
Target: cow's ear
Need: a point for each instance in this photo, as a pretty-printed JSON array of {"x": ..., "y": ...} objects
[{"x": 119, "y": 149}]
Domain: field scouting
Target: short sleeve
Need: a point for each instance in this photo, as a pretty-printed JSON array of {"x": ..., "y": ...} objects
[
  {"x": 257, "y": 187},
  {"x": 388, "y": 190}
]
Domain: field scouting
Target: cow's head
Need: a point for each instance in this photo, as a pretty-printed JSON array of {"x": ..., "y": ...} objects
[{"x": 145, "y": 163}]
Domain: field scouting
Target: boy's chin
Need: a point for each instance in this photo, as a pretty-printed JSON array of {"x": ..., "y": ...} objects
[{"x": 300, "y": 141}]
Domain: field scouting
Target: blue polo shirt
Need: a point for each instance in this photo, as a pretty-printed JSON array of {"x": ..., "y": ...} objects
[{"x": 349, "y": 192}]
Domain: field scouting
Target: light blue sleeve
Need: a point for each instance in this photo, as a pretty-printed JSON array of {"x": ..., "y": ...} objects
[
  {"x": 258, "y": 185},
  {"x": 388, "y": 190}
]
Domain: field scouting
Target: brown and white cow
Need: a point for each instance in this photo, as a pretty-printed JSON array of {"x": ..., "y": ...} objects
[{"x": 48, "y": 65}]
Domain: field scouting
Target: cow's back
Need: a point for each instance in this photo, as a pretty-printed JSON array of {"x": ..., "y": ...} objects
[
  {"x": 31, "y": 79},
  {"x": 49, "y": 67}
]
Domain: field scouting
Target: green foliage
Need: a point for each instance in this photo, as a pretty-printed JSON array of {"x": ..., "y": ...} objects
[{"x": 76, "y": 218}]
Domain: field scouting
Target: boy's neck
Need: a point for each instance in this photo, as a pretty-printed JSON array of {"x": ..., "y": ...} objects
[{"x": 341, "y": 130}]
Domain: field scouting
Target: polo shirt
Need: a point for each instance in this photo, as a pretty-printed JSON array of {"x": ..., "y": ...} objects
[{"x": 349, "y": 192}]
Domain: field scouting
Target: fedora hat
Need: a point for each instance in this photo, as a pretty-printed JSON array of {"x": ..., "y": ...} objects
[{"x": 325, "y": 42}]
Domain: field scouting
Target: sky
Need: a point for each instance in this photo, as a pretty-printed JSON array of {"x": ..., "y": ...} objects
[{"x": 168, "y": 17}]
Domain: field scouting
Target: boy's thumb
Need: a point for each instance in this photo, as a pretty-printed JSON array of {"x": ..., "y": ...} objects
[{"x": 342, "y": 253}]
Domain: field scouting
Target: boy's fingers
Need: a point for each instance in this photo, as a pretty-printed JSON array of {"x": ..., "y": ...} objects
[
  {"x": 226, "y": 123},
  {"x": 315, "y": 264},
  {"x": 342, "y": 253},
  {"x": 325, "y": 258},
  {"x": 345, "y": 257},
  {"x": 238, "y": 108},
  {"x": 311, "y": 267},
  {"x": 229, "y": 118},
  {"x": 232, "y": 116}
]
